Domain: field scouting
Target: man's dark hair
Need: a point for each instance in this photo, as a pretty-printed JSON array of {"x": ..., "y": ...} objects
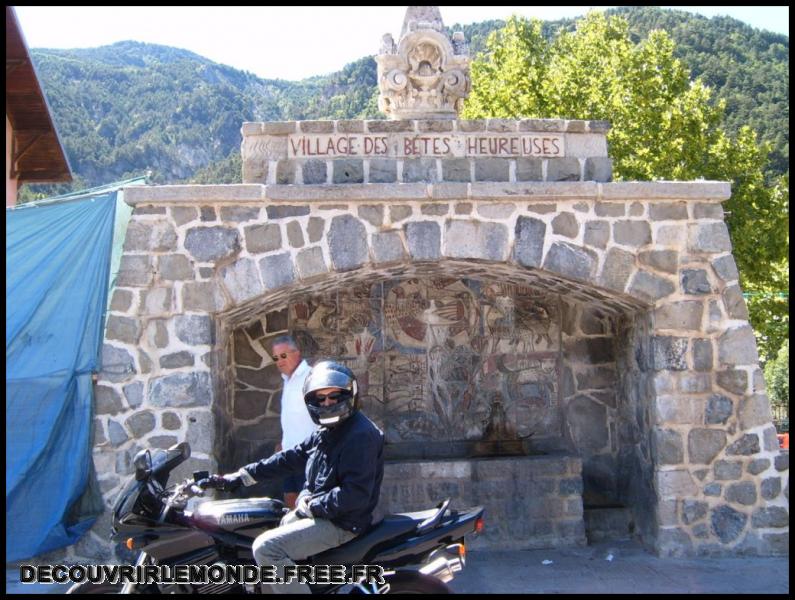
[{"x": 285, "y": 339}]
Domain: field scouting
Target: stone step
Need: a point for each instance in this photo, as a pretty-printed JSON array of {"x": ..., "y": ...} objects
[{"x": 604, "y": 524}]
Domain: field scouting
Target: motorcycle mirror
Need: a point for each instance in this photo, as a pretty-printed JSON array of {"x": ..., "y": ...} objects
[
  {"x": 143, "y": 464},
  {"x": 181, "y": 449},
  {"x": 199, "y": 475}
]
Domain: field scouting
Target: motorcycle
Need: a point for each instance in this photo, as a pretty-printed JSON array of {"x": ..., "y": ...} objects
[{"x": 414, "y": 552}]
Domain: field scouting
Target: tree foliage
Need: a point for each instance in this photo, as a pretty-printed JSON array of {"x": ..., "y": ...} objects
[
  {"x": 746, "y": 68},
  {"x": 767, "y": 288},
  {"x": 777, "y": 379},
  {"x": 664, "y": 126},
  {"x": 227, "y": 170}
]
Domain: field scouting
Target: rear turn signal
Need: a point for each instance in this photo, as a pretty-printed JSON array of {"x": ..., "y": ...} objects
[
  {"x": 479, "y": 525},
  {"x": 462, "y": 552},
  {"x": 130, "y": 543}
]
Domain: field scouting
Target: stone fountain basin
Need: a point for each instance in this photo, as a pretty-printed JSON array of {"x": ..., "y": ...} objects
[
  {"x": 466, "y": 449},
  {"x": 531, "y": 501}
]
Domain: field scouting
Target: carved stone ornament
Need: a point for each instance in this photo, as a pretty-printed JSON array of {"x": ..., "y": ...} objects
[{"x": 426, "y": 76}]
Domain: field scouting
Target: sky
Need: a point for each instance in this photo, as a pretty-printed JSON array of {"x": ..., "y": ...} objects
[{"x": 289, "y": 42}]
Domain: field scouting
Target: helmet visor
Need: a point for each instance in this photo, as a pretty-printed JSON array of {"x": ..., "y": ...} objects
[{"x": 339, "y": 396}]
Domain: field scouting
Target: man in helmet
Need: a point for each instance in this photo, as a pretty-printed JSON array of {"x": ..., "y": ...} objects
[{"x": 344, "y": 465}]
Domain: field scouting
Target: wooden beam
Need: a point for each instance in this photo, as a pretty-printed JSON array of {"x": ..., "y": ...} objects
[
  {"x": 14, "y": 63},
  {"x": 18, "y": 153}
]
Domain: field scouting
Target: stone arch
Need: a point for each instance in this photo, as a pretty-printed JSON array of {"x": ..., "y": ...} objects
[{"x": 568, "y": 246}]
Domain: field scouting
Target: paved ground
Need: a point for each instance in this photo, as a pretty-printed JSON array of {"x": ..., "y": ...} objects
[
  {"x": 588, "y": 571},
  {"x": 631, "y": 570}
]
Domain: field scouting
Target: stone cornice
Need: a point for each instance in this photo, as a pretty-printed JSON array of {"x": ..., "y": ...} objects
[
  {"x": 424, "y": 125},
  {"x": 708, "y": 191}
]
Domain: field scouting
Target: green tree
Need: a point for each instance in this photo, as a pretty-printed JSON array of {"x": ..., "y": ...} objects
[
  {"x": 777, "y": 380},
  {"x": 33, "y": 192},
  {"x": 663, "y": 126},
  {"x": 767, "y": 288},
  {"x": 507, "y": 84},
  {"x": 227, "y": 170}
]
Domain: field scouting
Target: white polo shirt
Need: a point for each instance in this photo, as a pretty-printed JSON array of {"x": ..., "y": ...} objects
[{"x": 297, "y": 425}]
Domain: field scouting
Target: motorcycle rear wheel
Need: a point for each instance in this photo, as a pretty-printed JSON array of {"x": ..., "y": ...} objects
[{"x": 412, "y": 582}]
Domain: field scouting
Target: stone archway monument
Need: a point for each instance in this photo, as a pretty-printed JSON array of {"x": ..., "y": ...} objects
[{"x": 492, "y": 288}]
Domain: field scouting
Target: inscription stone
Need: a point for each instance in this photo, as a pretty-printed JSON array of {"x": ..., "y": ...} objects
[{"x": 411, "y": 145}]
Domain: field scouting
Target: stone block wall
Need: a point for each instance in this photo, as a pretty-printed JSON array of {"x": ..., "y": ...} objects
[
  {"x": 590, "y": 396},
  {"x": 255, "y": 393},
  {"x": 631, "y": 466},
  {"x": 687, "y": 380},
  {"x": 689, "y": 444},
  {"x": 659, "y": 250}
]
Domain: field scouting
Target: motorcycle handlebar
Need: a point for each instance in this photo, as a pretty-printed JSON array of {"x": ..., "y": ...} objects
[
  {"x": 215, "y": 482},
  {"x": 183, "y": 492},
  {"x": 195, "y": 489}
]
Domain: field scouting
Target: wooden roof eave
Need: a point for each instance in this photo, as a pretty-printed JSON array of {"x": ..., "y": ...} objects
[{"x": 37, "y": 153}]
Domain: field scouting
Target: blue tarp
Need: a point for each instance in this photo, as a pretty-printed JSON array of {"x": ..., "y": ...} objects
[{"x": 57, "y": 268}]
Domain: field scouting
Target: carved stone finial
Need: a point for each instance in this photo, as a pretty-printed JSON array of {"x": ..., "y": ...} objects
[
  {"x": 388, "y": 44},
  {"x": 459, "y": 43},
  {"x": 422, "y": 17},
  {"x": 427, "y": 75}
]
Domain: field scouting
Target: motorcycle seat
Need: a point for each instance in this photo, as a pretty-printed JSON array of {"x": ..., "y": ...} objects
[{"x": 390, "y": 527}]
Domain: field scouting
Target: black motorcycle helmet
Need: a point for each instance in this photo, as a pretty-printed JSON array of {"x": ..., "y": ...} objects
[{"x": 328, "y": 374}]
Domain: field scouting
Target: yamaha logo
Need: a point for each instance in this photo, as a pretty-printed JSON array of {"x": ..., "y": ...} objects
[{"x": 234, "y": 519}]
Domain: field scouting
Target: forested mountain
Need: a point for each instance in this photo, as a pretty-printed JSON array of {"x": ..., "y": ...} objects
[
  {"x": 747, "y": 68},
  {"x": 130, "y": 107}
]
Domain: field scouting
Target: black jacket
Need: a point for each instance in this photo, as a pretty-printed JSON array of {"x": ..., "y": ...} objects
[{"x": 344, "y": 466}]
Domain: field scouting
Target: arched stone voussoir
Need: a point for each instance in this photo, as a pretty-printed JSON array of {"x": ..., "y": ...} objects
[
  {"x": 241, "y": 280},
  {"x": 372, "y": 272},
  {"x": 465, "y": 248},
  {"x": 571, "y": 261},
  {"x": 579, "y": 265}
]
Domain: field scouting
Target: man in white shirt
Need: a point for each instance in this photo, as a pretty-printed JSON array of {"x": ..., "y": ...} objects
[{"x": 297, "y": 425}]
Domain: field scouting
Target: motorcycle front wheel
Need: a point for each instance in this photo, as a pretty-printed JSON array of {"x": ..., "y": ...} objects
[
  {"x": 95, "y": 588},
  {"x": 107, "y": 588}
]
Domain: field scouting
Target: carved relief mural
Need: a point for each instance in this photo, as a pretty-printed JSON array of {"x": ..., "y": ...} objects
[{"x": 441, "y": 360}]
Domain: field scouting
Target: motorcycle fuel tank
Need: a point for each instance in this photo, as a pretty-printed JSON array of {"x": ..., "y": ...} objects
[{"x": 248, "y": 516}]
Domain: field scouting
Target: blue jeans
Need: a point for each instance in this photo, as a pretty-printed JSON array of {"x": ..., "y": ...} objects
[{"x": 296, "y": 539}]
